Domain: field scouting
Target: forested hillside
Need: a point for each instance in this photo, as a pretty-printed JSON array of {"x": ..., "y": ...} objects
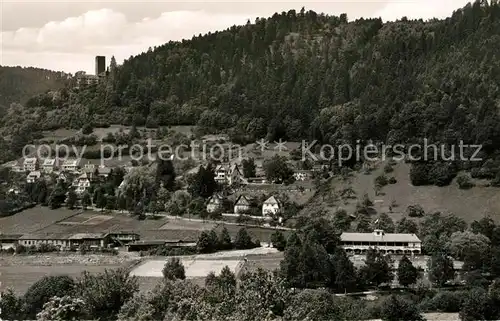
[
  {"x": 18, "y": 84},
  {"x": 307, "y": 75}
]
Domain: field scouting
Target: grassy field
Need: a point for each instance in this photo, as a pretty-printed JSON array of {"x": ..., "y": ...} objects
[
  {"x": 472, "y": 204},
  {"x": 33, "y": 219}
]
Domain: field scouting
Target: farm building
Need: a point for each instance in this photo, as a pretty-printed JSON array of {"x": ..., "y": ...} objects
[
  {"x": 390, "y": 243},
  {"x": 70, "y": 165},
  {"x": 63, "y": 240},
  {"x": 152, "y": 244},
  {"x": 8, "y": 241}
]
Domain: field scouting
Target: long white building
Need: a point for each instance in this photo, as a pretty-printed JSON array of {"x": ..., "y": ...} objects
[{"x": 390, "y": 243}]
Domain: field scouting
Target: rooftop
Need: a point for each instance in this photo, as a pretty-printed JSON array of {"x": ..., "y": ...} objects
[
  {"x": 30, "y": 160},
  {"x": 49, "y": 162},
  {"x": 374, "y": 237}
]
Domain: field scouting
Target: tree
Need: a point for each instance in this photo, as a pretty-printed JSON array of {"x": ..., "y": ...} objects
[
  {"x": 467, "y": 244},
  {"x": 248, "y": 167},
  {"x": 243, "y": 240},
  {"x": 377, "y": 269},
  {"x": 364, "y": 224},
  {"x": 345, "y": 272},
  {"x": 44, "y": 289},
  {"x": 165, "y": 174},
  {"x": 395, "y": 308},
  {"x": 385, "y": 223},
  {"x": 203, "y": 183},
  {"x": 407, "y": 273},
  {"x": 63, "y": 308},
  {"x": 415, "y": 211},
  {"x": 71, "y": 199},
  {"x": 313, "y": 305},
  {"x": 278, "y": 241},
  {"x": 440, "y": 269},
  {"x": 225, "y": 242},
  {"x": 87, "y": 129},
  {"x": 100, "y": 199},
  {"x": 342, "y": 221},
  {"x": 206, "y": 243},
  {"x": 277, "y": 170},
  {"x": 174, "y": 269},
  {"x": 105, "y": 293},
  {"x": 406, "y": 225},
  {"x": 477, "y": 305},
  {"x": 11, "y": 306},
  {"x": 86, "y": 200}
]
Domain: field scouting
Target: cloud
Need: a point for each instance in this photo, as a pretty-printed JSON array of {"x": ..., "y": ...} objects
[
  {"x": 416, "y": 9},
  {"x": 104, "y": 32}
]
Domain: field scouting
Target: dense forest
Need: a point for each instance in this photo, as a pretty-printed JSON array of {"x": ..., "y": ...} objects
[
  {"x": 18, "y": 84},
  {"x": 306, "y": 75}
]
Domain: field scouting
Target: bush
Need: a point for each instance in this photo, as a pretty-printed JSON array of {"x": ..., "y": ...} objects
[
  {"x": 381, "y": 180},
  {"x": 393, "y": 180},
  {"x": 174, "y": 269},
  {"x": 445, "y": 301},
  {"x": 464, "y": 181},
  {"x": 388, "y": 168},
  {"x": 415, "y": 211}
]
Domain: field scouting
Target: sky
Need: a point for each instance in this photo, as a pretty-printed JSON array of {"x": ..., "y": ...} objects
[{"x": 67, "y": 35}]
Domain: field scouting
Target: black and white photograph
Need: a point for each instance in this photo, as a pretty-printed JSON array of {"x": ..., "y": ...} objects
[{"x": 166, "y": 160}]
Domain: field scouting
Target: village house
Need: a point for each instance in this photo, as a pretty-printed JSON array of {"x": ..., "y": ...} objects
[
  {"x": 215, "y": 203},
  {"x": 81, "y": 183},
  {"x": 33, "y": 177},
  {"x": 242, "y": 205},
  {"x": 49, "y": 165},
  {"x": 390, "y": 243},
  {"x": 103, "y": 171},
  {"x": 122, "y": 238},
  {"x": 302, "y": 175},
  {"x": 70, "y": 165},
  {"x": 30, "y": 164},
  {"x": 227, "y": 174},
  {"x": 62, "y": 177},
  {"x": 271, "y": 206},
  {"x": 65, "y": 241},
  {"x": 9, "y": 241}
]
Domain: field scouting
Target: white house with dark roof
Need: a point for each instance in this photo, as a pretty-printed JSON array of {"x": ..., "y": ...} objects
[
  {"x": 33, "y": 177},
  {"x": 226, "y": 173},
  {"x": 271, "y": 206},
  {"x": 390, "y": 243},
  {"x": 30, "y": 164},
  {"x": 242, "y": 204},
  {"x": 81, "y": 183},
  {"x": 215, "y": 203},
  {"x": 70, "y": 165},
  {"x": 49, "y": 165}
]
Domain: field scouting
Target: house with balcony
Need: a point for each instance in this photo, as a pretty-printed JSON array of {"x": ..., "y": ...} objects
[
  {"x": 227, "y": 174},
  {"x": 271, "y": 206},
  {"x": 30, "y": 164},
  {"x": 386, "y": 243}
]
